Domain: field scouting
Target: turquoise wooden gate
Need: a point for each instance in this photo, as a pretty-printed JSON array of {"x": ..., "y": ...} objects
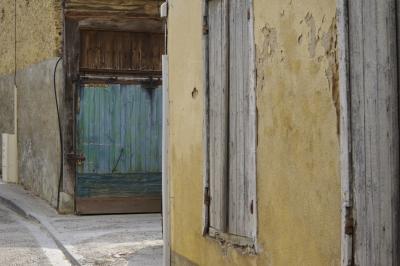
[{"x": 118, "y": 133}]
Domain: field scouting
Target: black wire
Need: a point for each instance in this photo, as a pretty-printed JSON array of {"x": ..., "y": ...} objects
[
  {"x": 15, "y": 42},
  {"x": 61, "y": 136}
]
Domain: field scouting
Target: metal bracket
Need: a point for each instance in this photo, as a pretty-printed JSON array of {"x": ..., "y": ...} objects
[
  {"x": 207, "y": 198},
  {"x": 164, "y": 10},
  {"x": 205, "y": 26},
  {"x": 349, "y": 223},
  {"x": 76, "y": 158}
]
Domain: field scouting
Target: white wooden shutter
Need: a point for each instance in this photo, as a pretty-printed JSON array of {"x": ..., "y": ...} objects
[
  {"x": 218, "y": 112},
  {"x": 231, "y": 118},
  {"x": 374, "y": 94},
  {"x": 240, "y": 123}
]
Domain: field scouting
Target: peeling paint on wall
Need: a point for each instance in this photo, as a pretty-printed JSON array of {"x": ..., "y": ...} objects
[
  {"x": 329, "y": 42},
  {"x": 266, "y": 51},
  {"x": 298, "y": 106},
  {"x": 312, "y": 36},
  {"x": 298, "y": 146}
]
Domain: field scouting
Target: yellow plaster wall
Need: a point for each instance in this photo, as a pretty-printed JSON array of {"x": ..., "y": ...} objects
[
  {"x": 298, "y": 149},
  {"x": 39, "y": 32}
]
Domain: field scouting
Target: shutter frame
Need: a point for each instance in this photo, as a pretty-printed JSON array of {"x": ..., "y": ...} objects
[{"x": 230, "y": 191}]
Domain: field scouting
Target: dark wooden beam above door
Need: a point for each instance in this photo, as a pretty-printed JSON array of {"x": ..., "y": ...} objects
[
  {"x": 153, "y": 25},
  {"x": 106, "y": 8},
  {"x": 118, "y": 15}
]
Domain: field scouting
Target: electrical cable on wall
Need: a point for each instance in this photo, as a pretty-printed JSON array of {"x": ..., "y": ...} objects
[
  {"x": 15, "y": 72},
  {"x": 56, "y": 100},
  {"x": 60, "y": 136},
  {"x": 15, "y": 43},
  {"x": 15, "y": 92}
]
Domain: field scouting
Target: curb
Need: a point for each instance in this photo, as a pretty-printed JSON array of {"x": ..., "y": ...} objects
[
  {"x": 18, "y": 210},
  {"x": 21, "y": 212}
]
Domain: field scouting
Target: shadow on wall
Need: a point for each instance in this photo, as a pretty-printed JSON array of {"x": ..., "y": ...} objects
[
  {"x": 38, "y": 135},
  {"x": 6, "y": 107}
]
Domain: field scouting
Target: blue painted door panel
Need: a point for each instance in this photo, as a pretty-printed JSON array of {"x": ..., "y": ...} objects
[{"x": 119, "y": 133}]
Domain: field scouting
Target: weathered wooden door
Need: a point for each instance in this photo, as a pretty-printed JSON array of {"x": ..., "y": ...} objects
[
  {"x": 374, "y": 122},
  {"x": 118, "y": 132}
]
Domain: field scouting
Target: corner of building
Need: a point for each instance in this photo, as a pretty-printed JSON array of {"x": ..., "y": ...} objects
[
  {"x": 298, "y": 153},
  {"x": 30, "y": 43}
]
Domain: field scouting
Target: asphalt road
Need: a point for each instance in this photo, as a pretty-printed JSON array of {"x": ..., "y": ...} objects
[{"x": 23, "y": 242}]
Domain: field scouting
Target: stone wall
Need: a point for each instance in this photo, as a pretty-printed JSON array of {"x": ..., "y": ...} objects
[
  {"x": 38, "y": 134},
  {"x": 32, "y": 47},
  {"x": 38, "y": 32}
]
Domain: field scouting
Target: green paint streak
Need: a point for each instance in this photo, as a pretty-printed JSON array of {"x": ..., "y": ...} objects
[{"x": 119, "y": 133}]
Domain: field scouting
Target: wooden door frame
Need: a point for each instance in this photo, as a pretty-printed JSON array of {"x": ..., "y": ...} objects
[
  {"x": 345, "y": 132},
  {"x": 76, "y": 17}
]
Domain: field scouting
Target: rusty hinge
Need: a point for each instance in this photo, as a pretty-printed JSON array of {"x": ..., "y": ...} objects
[
  {"x": 76, "y": 158},
  {"x": 207, "y": 198},
  {"x": 248, "y": 14},
  {"x": 205, "y": 25},
  {"x": 349, "y": 221}
]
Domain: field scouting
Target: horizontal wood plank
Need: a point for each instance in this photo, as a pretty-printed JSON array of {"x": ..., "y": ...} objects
[
  {"x": 118, "y": 185},
  {"x": 121, "y": 51},
  {"x": 118, "y": 205},
  {"x": 121, "y": 23},
  {"x": 139, "y": 7}
]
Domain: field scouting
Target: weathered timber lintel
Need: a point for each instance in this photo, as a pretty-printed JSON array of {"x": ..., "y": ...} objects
[{"x": 103, "y": 8}]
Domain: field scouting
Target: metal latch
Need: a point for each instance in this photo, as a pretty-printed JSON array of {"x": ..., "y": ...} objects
[
  {"x": 207, "y": 198},
  {"x": 76, "y": 158},
  {"x": 205, "y": 26},
  {"x": 349, "y": 222}
]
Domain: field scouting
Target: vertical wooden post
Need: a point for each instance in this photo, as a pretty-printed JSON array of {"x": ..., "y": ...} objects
[
  {"x": 206, "y": 141},
  {"x": 165, "y": 176},
  {"x": 345, "y": 130},
  {"x": 71, "y": 69}
]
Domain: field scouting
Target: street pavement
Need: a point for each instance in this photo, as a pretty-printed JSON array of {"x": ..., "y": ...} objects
[
  {"x": 23, "y": 242},
  {"x": 27, "y": 233}
]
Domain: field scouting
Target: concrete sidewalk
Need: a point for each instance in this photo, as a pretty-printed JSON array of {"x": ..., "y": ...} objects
[
  {"x": 92, "y": 240},
  {"x": 23, "y": 242}
]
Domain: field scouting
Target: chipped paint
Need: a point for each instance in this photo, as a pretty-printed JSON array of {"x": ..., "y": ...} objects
[
  {"x": 119, "y": 134},
  {"x": 312, "y": 36},
  {"x": 298, "y": 146},
  {"x": 329, "y": 42}
]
